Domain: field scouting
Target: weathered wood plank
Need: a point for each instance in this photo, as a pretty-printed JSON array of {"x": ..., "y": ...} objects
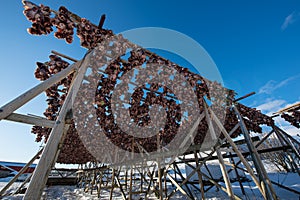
[
  {"x": 13, "y": 105},
  {"x": 26, "y": 119},
  {"x": 20, "y": 172},
  {"x": 49, "y": 155}
]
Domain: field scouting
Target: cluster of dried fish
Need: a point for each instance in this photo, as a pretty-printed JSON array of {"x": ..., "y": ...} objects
[
  {"x": 293, "y": 118},
  {"x": 40, "y": 18},
  {"x": 73, "y": 150},
  {"x": 56, "y": 94},
  {"x": 254, "y": 118},
  {"x": 89, "y": 34},
  {"x": 42, "y": 23},
  {"x": 64, "y": 25}
]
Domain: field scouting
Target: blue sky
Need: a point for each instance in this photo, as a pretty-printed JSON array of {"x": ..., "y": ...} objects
[{"x": 255, "y": 45}]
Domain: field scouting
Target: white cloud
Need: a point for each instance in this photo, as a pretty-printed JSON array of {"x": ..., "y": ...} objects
[
  {"x": 271, "y": 106},
  {"x": 272, "y": 85},
  {"x": 291, "y": 130},
  {"x": 286, "y": 126},
  {"x": 290, "y": 19}
]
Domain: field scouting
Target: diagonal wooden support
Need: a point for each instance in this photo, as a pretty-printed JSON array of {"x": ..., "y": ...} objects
[
  {"x": 22, "y": 185},
  {"x": 199, "y": 176},
  {"x": 10, "y": 107},
  {"x": 51, "y": 151},
  {"x": 261, "y": 171},
  {"x": 112, "y": 185},
  {"x": 211, "y": 154},
  {"x": 20, "y": 172},
  {"x": 239, "y": 154},
  {"x": 225, "y": 175},
  {"x": 178, "y": 186},
  {"x": 264, "y": 139},
  {"x": 289, "y": 140},
  {"x": 235, "y": 167},
  {"x": 215, "y": 183},
  {"x": 190, "y": 194},
  {"x": 26, "y": 119},
  {"x": 120, "y": 186},
  {"x": 219, "y": 155}
]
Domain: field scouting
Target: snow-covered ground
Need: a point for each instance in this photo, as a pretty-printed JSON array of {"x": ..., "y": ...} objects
[{"x": 291, "y": 180}]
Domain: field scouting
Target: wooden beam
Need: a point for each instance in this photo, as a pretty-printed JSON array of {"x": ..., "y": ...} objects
[
  {"x": 13, "y": 105},
  {"x": 199, "y": 176},
  {"x": 159, "y": 179},
  {"x": 112, "y": 184},
  {"x": 219, "y": 155},
  {"x": 130, "y": 183},
  {"x": 49, "y": 155},
  {"x": 261, "y": 171},
  {"x": 20, "y": 172},
  {"x": 64, "y": 56},
  {"x": 237, "y": 151},
  {"x": 178, "y": 186},
  {"x": 22, "y": 185},
  {"x": 245, "y": 96},
  {"x": 235, "y": 167},
  {"x": 211, "y": 153},
  {"x": 245, "y": 154},
  {"x": 262, "y": 140},
  {"x": 220, "y": 186},
  {"x": 289, "y": 108},
  {"x": 225, "y": 175},
  {"x": 120, "y": 186},
  {"x": 26, "y": 119},
  {"x": 215, "y": 183},
  {"x": 182, "y": 178}
]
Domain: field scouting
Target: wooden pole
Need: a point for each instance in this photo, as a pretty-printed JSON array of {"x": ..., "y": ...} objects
[
  {"x": 64, "y": 56},
  {"x": 261, "y": 171},
  {"x": 264, "y": 139},
  {"x": 199, "y": 176},
  {"x": 20, "y": 172},
  {"x": 99, "y": 184},
  {"x": 13, "y": 105},
  {"x": 178, "y": 186},
  {"x": 130, "y": 182},
  {"x": 286, "y": 188},
  {"x": 219, "y": 155},
  {"x": 289, "y": 140},
  {"x": 245, "y": 96},
  {"x": 237, "y": 174},
  {"x": 289, "y": 143},
  {"x": 159, "y": 179},
  {"x": 14, "y": 117},
  {"x": 186, "y": 183},
  {"x": 212, "y": 152},
  {"x": 225, "y": 175},
  {"x": 22, "y": 185},
  {"x": 215, "y": 183},
  {"x": 49, "y": 155},
  {"x": 120, "y": 186},
  {"x": 112, "y": 184},
  {"x": 239, "y": 154},
  {"x": 150, "y": 174}
]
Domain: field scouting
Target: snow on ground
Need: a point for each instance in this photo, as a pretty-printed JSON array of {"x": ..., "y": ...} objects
[{"x": 291, "y": 180}]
